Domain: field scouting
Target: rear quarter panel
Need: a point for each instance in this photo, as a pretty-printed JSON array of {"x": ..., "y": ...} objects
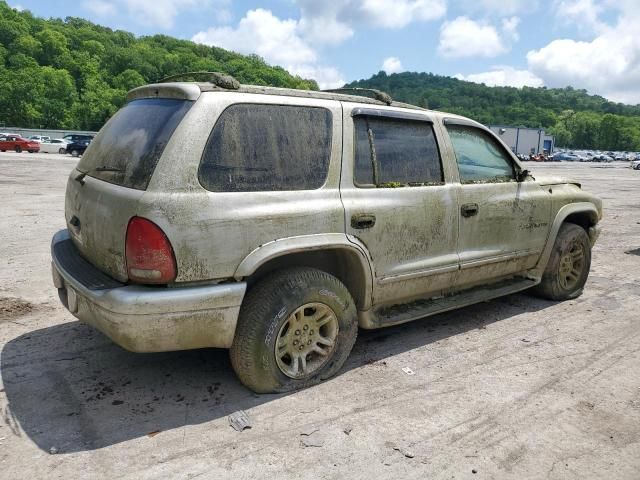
[{"x": 212, "y": 232}]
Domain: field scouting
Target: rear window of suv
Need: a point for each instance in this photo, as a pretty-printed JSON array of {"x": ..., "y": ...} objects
[
  {"x": 129, "y": 146},
  {"x": 257, "y": 147}
]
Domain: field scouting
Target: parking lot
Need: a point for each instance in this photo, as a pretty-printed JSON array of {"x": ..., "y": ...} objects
[{"x": 513, "y": 388}]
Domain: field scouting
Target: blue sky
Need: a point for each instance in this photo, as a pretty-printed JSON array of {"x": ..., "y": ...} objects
[{"x": 591, "y": 44}]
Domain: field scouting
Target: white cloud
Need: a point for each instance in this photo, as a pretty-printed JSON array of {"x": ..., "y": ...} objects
[
  {"x": 327, "y": 77},
  {"x": 392, "y": 65},
  {"x": 100, "y": 7},
  {"x": 608, "y": 65},
  {"x": 504, "y": 76},
  {"x": 263, "y": 33},
  {"x": 499, "y": 7},
  {"x": 333, "y": 22},
  {"x": 510, "y": 28},
  {"x": 156, "y": 13},
  {"x": 325, "y": 30},
  {"x": 464, "y": 37},
  {"x": 277, "y": 41},
  {"x": 159, "y": 13},
  {"x": 583, "y": 13},
  {"x": 399, "y": 13}
]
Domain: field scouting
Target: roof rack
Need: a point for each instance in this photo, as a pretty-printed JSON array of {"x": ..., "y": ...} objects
[
  {"x": 377, "y": 94},
  {"x": 221, "y": 80}
]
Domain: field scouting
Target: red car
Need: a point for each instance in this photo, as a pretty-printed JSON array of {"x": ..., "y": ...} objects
[{"x": 18, "y": 144}]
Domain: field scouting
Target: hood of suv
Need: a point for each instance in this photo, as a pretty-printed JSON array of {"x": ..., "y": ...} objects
[{"x": 545, "y": 180}]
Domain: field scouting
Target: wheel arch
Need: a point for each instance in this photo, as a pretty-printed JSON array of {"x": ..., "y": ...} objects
[
  {"x": 583, "y": 214},
  {"x": 331, "y": 253}
]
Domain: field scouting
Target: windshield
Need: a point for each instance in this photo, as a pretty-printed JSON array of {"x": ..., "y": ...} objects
[{"x": 127, "y": 149}]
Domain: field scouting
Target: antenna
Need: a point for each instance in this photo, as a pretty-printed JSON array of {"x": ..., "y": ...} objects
[
  {"x": 221, "y": 80},
  {"x": 377, "y": 94}
]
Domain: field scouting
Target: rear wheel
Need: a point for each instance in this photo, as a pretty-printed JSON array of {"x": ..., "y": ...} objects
[
  {"x": 569, "y": 264},
  {"x": 296, "y": 328},
  {"x": 62, "y": 151},
  {"x": 18, "y": 149}
]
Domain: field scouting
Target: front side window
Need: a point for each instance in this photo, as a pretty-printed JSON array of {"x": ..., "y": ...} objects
[
  {"x": 481, "y": 159},
  {"x": 267, "y": 148},
  {"x": 393, "y": 152}
]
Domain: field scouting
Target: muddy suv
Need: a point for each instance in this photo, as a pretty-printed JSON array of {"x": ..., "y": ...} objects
[{"x": 276, "y": 222}]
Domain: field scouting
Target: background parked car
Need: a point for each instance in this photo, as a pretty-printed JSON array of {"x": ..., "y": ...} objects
[
  {"x": 77, "y": 148},
  {"x": 77, "y": 137},
  {"x": 569, "y": 157},
  {"x": 39, "y": 138},
  {"x": 55, "y": 145},
  {"x": 18, "y": 144},
  {"x": 635, "y": 164}
]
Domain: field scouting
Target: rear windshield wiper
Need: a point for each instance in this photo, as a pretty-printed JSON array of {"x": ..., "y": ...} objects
[{"x": 80, "y": 177}]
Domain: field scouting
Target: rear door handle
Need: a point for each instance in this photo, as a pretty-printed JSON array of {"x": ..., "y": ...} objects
[
  {"x": 469, "y": 209},
  {"x": 363, "y": 220}
]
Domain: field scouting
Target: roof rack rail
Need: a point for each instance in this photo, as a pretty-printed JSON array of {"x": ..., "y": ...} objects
[
  {"x": 221, "y": 80},
  {"x": 377, "y": 94}
]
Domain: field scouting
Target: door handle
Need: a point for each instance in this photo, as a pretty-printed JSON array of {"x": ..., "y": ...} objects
[
  {"x": 469, "y": 209},
  {"x": 363, "y": 220}
]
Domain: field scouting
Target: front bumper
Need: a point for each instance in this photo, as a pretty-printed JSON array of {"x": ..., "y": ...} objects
[{"x": 140, "y": 318}]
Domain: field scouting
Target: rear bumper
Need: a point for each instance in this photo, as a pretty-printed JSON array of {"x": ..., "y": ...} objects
[{"x": 145, "y": 319}]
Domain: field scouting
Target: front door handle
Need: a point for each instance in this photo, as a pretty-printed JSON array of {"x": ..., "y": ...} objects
[
  {"x": 363, "y": 220},
  {"x": 469, "y": 209}
]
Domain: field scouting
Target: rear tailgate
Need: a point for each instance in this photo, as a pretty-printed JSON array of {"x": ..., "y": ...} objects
[
  {"x": 105, "y": 189},
  {"x": 97, "y": 215}
]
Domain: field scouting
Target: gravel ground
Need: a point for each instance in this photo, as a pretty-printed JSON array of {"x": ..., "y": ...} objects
[{"x": 513, "y": 388}]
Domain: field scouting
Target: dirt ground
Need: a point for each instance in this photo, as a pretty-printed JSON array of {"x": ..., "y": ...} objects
[{"x": 514, "y": 388}]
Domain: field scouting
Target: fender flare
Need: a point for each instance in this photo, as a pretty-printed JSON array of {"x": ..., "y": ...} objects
[
  {"x": 306, "y": 243},
  {"x": 561, "y": 216}
]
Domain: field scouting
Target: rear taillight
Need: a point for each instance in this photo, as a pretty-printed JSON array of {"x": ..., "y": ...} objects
[{"x": 150, "y": 257}]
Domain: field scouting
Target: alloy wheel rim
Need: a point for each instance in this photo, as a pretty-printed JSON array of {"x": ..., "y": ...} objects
[
  {"x": 571, "y": 266},
  {"x": 306, "y": 340}
]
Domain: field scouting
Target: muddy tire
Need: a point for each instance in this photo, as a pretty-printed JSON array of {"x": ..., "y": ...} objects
[
  {"x": 569, "y": 264},
  {"x": 296, "y": 328}
]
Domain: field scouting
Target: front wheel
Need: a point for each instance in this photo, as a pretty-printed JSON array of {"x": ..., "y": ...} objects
[
  {"x": 569, "y": 265},
  {"x": 296, "y": 328}
]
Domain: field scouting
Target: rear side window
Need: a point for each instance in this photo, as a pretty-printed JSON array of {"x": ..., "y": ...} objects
[
  {"x": 129, "y": 146},
  {"x": 393, "y": 153},
  {"x": 267, "y": 147}
]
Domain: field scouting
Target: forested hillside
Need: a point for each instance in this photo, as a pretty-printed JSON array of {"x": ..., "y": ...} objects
[
  {"x": 576, "y": 118},
  {"x": 74, "y": 74}
]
